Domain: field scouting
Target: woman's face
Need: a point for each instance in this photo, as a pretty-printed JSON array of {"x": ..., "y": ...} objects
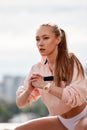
[{"x": 46, "y": 41}]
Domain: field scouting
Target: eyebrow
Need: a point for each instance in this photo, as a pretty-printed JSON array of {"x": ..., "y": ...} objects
[{"x": 42, "y": 35}]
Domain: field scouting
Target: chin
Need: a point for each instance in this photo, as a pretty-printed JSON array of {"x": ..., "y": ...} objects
[{"x": 43, "y": 54}]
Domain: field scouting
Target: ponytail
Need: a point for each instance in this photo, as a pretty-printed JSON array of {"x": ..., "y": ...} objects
[{"x": 65, "y": 62}]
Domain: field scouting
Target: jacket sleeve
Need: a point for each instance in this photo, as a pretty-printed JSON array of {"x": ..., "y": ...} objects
[
  {"x": 35, "y": 94},
  {"x": 75, "y": 93}
]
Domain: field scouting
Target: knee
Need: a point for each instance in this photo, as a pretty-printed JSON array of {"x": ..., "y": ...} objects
[
  {"x": 17, "y": 128},
  {"x": 82, "y": 125}
]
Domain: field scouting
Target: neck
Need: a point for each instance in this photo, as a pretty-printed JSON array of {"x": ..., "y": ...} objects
[{"x": 52, "y": 58}]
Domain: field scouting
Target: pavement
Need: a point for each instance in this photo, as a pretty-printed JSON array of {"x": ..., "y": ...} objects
[{"x": 8, "y": 126}]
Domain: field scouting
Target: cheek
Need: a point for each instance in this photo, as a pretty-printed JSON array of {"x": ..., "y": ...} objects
[
  {"x": 53, "y": 44},
  {"x": 50, "y": 43},
  {"x": 51, "y": 48}
]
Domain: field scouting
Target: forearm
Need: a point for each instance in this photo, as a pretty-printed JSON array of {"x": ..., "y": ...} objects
[
  {"x": 72, "y": 95},
  {"x": 23, "y": 99},
  {"x": 56, "y": 91}
]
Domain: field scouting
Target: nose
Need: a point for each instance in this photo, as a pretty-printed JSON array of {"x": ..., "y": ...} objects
[{"x": 40, "y": 43}]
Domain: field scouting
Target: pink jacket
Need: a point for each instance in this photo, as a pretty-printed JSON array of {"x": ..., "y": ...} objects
[{"x": 73, "y": 95}]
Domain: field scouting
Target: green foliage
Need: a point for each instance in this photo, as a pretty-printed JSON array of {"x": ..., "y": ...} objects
[
  {"x": 4, "y": 113},
  {"x": 38, "y": 108},
  {"x": 8, "y": 110}
]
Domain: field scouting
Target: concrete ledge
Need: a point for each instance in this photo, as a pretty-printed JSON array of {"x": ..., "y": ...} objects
[{"x": 8, "y": 126}]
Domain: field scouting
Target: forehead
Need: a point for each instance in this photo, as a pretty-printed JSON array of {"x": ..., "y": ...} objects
[{"x": 44, "y": 30}]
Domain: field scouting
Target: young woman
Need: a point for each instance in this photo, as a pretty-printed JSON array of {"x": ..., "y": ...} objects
[{"x": 65, "y": 92}]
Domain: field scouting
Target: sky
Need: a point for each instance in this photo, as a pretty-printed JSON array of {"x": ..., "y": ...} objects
[{"x": 19, "y": 20}]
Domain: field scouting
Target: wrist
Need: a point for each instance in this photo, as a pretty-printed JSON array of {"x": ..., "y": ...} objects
[{"x": 29, "y": 89}]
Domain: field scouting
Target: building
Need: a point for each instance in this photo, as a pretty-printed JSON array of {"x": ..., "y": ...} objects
[{"x": 8, "y": 87}]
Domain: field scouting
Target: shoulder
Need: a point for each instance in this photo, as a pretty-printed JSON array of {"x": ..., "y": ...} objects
[
  {"x": 74, "y": 58},
  {"x": 40, "y": 63},
  {"x": 38, "y": 67}
]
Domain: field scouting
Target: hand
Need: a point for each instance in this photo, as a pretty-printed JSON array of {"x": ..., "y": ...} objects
[
  {"x": 37, "y": 81},
  {"x": 28, "y": 84}
]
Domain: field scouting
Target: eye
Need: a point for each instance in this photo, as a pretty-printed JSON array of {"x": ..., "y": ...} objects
[
  {"x": 46, "y": 38},
  {"x": 37, "y": 39}
]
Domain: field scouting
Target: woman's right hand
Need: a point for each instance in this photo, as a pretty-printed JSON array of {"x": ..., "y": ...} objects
[
  {"x": 28, "y": 85},
  {"x": 26, "y": 94},
  {"x": 23, "y": 93}
]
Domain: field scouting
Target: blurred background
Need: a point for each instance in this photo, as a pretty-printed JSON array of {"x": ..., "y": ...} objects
[{"x": 19, "y": 20}]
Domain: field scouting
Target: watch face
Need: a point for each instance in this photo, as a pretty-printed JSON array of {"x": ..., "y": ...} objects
[{"x": 47, "y": 87}]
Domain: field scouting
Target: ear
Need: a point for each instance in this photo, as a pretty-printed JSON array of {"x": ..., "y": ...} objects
[{"x": 58, "y": 40}]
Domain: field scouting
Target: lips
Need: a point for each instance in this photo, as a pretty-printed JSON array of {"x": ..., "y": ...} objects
[{"x": 41, "y": 49}]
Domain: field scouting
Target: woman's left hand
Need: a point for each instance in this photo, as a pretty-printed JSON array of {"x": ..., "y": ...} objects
[{"x": 37, "y": 81}]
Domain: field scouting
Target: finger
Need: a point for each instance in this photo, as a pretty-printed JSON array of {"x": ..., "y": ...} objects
[
  {"x": 33, "y": 76},
  {"x": 39, "y": 75},
  {"x": 33, "y": 80},
  {"x": 36, "y": 78}
]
